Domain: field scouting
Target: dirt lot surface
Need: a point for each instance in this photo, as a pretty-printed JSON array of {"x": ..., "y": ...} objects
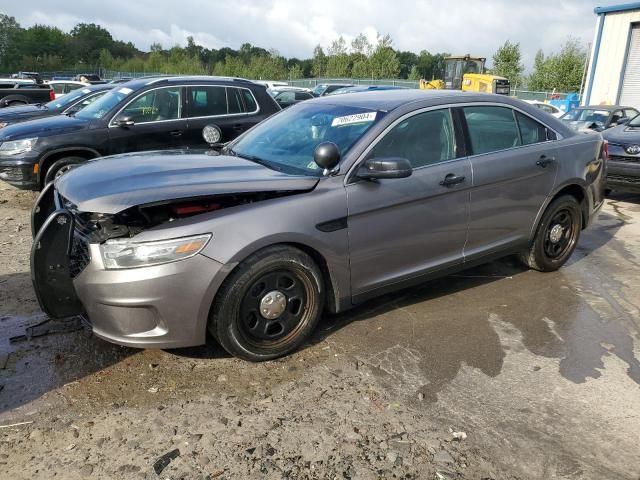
[{"x": 494, "y": 373}]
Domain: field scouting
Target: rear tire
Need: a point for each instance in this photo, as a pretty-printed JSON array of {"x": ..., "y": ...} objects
[
  {"x": 269, "y": 305},
  {"x": 59, "y": 167},
  {"x": 16, "y": 103},
  {"x": 556, "y": 237}
]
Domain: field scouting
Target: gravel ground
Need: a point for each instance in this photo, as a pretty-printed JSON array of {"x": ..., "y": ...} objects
[{"x": 494, "y": 373}]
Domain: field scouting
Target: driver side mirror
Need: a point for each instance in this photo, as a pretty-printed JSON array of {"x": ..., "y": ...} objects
[
  {"x": 388, "y": 167},
  {"x": 124, "y": 121}
]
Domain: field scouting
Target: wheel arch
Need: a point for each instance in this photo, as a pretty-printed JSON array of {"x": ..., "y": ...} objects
[
  {"x": 14, "y": 98},
  {"x": 50, "y": 157},
  {"x": 576, "y": 190}
]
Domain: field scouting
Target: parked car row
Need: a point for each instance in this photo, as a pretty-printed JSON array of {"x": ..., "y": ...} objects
[
  {"x": 146, "y": 114},
  {"x": 307, "y": 212}
]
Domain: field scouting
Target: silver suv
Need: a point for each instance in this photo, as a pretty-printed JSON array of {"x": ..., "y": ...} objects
[{"x": 322, "y": 206}]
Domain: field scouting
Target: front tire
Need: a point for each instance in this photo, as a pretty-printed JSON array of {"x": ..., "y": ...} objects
[
  {"x": 269, "y": 305},
  {"x": 60, "y": 167},
  {"x": 556, "y": 237}
]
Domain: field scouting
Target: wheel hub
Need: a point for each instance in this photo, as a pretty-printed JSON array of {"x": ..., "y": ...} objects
[
  {"x": 555, "y": 234},
  {"x": 273, "y": 304}
]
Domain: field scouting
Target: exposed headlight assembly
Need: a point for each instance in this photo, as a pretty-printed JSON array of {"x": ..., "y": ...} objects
[
  {"x": 119, "y": 253},
  {"x": 16, "y": 147}
]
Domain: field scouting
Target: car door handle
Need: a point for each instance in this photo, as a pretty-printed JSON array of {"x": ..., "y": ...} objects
[
  {"x": 452, "y": 179},
  {"x": 176, "y": 133},
  {"x": 544, "y": 161}
]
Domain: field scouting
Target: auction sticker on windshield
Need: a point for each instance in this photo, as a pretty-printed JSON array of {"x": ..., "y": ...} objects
[{"x": 356, "y": 118}]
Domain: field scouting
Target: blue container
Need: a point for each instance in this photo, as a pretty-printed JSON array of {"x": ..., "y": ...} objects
[{"x": 569, "y": 103}]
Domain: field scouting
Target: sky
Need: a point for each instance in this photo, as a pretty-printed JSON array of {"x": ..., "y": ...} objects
[{"x": 295, "y": 27}]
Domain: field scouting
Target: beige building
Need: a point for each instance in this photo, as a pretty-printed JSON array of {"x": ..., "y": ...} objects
[{"x": 613, "y": 76}]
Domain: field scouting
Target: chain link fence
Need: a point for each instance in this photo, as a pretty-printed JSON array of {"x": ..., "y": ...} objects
[{"x": 304, "y": 82}]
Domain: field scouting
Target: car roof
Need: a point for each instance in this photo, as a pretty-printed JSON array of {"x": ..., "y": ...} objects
[
  {"x": 605, "y": 107},
  {"x": 141, "y": 82},
  {"x": 387, "y": 100}
]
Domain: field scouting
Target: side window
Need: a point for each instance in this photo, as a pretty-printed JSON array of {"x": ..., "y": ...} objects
[
  {"x": 530, "y": 130},
  {"x": 491, "y": 128},
  {"x": 207, "y": 101},
  {"x": 58, "y": 88},
  {"x": 423, "y": 139},
  {"x": 286, "y": 97},
  {"x": 234, "y": 97},
  {"x": 303, "y": 96},
  {"x": 249, "y": 101},
  {"x": 156, "y": 105},
  {"x": 617, "y": 115},
  {"x": 630, "y": 113},
  {"x": 70, "y": 87}
]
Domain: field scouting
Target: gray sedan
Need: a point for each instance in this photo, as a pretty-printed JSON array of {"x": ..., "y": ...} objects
[{"x": 319, "y": 208}]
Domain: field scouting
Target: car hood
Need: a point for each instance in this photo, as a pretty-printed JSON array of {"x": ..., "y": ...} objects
[
  {"x": 623, "y": 134},
  {"x": 113, "y": 184},
  {"x": 582, "y": 126},
  {"x": 43, "y": 127},
  {"x": 16, "y": 114}
]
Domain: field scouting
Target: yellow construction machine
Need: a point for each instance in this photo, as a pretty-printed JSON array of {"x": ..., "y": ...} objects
[{"x": 468, "y": 73}]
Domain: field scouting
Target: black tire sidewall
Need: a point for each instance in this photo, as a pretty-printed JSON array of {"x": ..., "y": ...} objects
[
  {"x": 225, "y": 319},
  {"x": 57, "y": 165},
  {"x": 542, "y": 261}
]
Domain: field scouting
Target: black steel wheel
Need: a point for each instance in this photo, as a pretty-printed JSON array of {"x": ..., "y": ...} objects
[
  {"x": 269, "y": 305},
  {"x": 557, "y": 235}
]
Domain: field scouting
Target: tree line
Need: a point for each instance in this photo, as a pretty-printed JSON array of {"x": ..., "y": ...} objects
[
  {"x": 90, "y": 46},
  {"x": 562, "y": 71}
]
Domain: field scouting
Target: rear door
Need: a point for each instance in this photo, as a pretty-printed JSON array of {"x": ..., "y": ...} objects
[
  {"x": 159, "y": 122},
  {"x": 402, "y": 228},
  {"x": 230, "y": 108},
  {"x": 514, "y": 165}
]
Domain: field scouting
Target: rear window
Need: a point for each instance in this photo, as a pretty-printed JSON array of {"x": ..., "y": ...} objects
[{"x": 249, "y": 100}]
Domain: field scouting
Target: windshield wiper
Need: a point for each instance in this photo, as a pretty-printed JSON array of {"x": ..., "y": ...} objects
[{"x": 252, "y": 158}]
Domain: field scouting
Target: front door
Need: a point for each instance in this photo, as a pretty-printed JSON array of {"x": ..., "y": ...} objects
[
  {"x": 514, "y": 170},
  {"x": 402, "y": 228},
  {"x": 158, "y": 122}
]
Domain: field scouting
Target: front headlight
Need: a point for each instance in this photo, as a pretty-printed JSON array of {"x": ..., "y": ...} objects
[
  {"x": 129, "y": 254},
  {"x": 16, "y": 147}
]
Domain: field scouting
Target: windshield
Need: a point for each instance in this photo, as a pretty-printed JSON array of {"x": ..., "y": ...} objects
[
  {"x": 286, "y": 142},
  {"x": 68, "y": 98},
  {"x": 587, "y": 115},
  {"x": 319, "y": 90},
  {"x": 103, "y": 105}
]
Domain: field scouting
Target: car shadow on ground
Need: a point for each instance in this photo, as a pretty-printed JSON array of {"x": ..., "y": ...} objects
[{"x": 31, "y": 367}]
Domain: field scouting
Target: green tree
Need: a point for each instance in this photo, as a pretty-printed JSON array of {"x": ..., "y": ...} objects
[
  {"x": 10, "y": 33},
  {"x": 507, "y": 62},
  {"x": 319, "y": 62},
  {"x": 88, "y": 40},
  {"x": 414, "y": 74},
  {"x": 559, "y": 71},
  {"x": 384, "y": 62}
]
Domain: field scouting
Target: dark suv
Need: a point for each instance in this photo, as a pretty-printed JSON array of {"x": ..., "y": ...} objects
[{"x": 144, "y": 114}]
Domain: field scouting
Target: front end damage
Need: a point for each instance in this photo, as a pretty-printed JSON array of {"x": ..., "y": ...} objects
[{"x": 148, "y": 306}]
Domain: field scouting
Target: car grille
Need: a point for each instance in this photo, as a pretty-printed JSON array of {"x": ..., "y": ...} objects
[
  {"x": 624, "y": 179},
  {"x": 80, "y": 255},
  {"x": 619, "y": 158}
]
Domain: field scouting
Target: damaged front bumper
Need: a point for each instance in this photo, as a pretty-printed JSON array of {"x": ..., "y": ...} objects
[{"x": 161, "y": 306}]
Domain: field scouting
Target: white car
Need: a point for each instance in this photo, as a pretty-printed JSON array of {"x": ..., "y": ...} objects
[
  {"x": 270, "y": 84},
  {"x": 545, "y": 107},
  {"x": 62, "y": 87}
]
